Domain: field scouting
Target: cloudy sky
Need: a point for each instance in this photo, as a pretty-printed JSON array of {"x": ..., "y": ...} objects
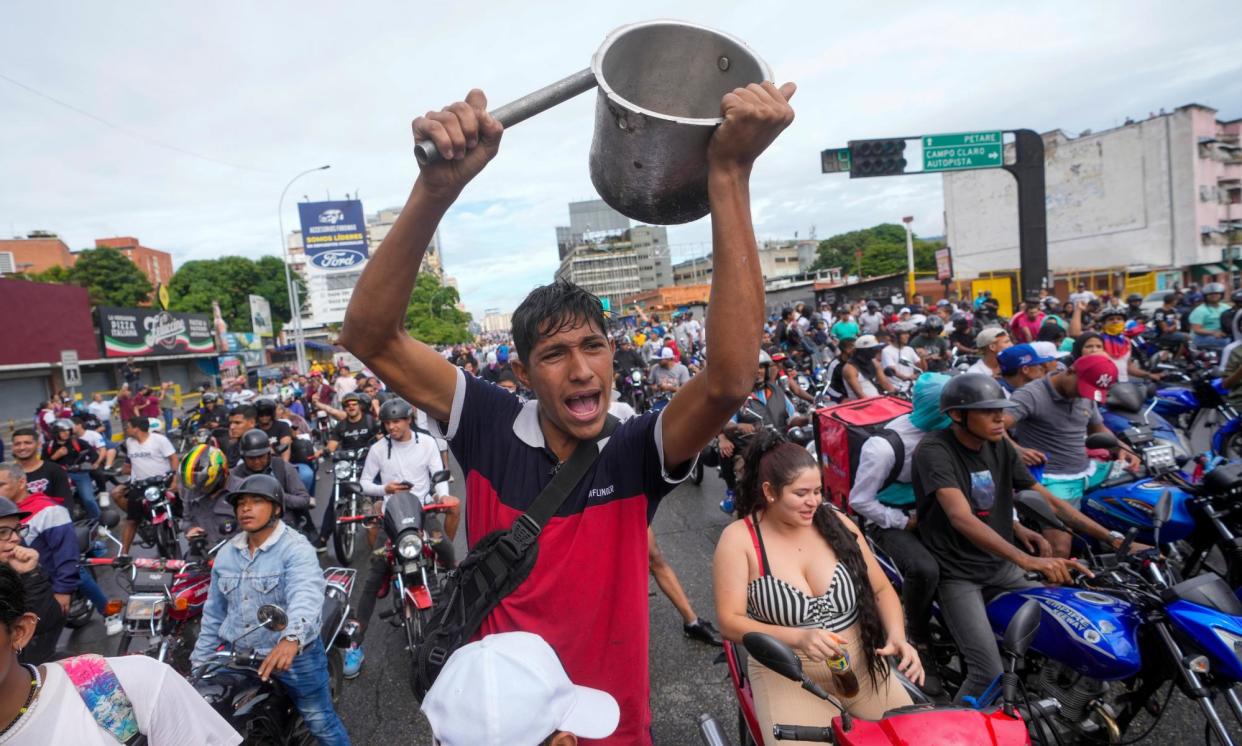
[{"x": 180, "y": 123}]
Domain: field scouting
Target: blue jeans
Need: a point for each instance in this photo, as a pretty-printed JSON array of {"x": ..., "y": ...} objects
[
  {"x": 168, "y": 419},
  {"x": 92, "y": 591},
  {"x": 107, "y": 433},
  {"x": 308, "y": 477},
  {"x": 307, "y": 684},
  {"x": 86, "y": 491},
  {"x": 1210, "y": 342}
]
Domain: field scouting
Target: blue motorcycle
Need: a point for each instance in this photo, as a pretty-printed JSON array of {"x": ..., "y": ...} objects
[
  {"x": 1200, "y": 407},
  {"x": 1127, "y": 406},
  {"x": 1204, "y": 516}
]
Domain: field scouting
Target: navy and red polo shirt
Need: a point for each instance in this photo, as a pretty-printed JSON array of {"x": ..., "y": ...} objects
[{"x": 587, "y": 594}]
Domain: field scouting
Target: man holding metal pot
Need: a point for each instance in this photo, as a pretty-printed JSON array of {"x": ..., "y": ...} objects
[{"x": 587, "y": 595}]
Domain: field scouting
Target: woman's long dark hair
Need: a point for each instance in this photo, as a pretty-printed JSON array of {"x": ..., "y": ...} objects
[
  {"x": 12, "y": 596},
  {"x": 1081, "y": 341},
  {"x": 773, "y": 459}
]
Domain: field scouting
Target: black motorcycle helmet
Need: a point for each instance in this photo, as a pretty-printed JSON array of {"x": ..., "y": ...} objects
[
  {"x": 265, "y": 408},
  {"x": 1236, "y": 297},
  {"x": 973, "y": 391},
  {"x": 873, "y": 306},
  {"x": 209, "y": 398},
  {"x": 396, "y": 409},
  {"x": 1134, "y": 298},
  {"x": 959, "y": 320},
  {"x": 258, "y": 485},
  {"x": 254, "y": 443},
  {"x": 351, "y": 396},
  {"x": 933, "y": 324}
]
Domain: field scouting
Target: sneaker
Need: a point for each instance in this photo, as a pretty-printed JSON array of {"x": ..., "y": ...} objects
[
  {"x": 113, "y": 625},
  {"x": 932, "y": 684},
  {"x": 353, "y": 661},
  {"x": 321, "y": 545},
  {"x": 703, "y": 631}
]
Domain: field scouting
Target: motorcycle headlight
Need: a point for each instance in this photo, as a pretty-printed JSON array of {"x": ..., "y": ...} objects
[
  {"x": 636, "y": 377},
  {"x": 151, "y": 494},
  {"x": 410, "y": 546},
  {"x": 1230, "y": 639},
  {"x": 342, "y": 470}
]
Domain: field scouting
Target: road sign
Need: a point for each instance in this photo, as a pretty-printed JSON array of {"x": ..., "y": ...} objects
[
  {"x": 963, "y": 151},
  {"x": 834, "y": 160},
  {"x": 69, "y": 369}
]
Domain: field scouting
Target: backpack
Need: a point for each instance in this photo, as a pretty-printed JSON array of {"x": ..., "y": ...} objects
[
  {"x": 840, "y": 432},
  {"x": 104, "y": 697}
]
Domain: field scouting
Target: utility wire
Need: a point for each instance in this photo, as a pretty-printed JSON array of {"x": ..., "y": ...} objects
[{"x": 125, "y": 130}]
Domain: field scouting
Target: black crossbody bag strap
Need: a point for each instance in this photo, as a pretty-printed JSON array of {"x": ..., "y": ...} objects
[{"x": 529, "y": 525}]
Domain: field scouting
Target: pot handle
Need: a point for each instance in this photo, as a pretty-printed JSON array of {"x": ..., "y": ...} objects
[{"x": 523, "y": 108}]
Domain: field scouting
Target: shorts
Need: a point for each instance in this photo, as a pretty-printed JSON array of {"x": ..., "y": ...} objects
[{"x": 1071, "y": 489}]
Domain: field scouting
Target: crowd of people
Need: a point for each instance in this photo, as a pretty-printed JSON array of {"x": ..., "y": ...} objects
[{"x": 561, "y": 654}]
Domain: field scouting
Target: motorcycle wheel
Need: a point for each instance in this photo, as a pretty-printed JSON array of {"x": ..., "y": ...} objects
[
  {"x": 166, "y": 541},
  {"x": 343, "y": 536},
  {"x": 1232, "y": 447},
  {"x": 336, "y": 673},
  {"x": 696, "y": 474},
  {"x": 80, "y": 609}
]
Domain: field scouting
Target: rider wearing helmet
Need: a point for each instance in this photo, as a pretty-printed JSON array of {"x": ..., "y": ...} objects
[
  {"x": 77, "y": 458},
  {"x": 256, "y": 458},
  {"x": 961, "y": 338},
  {"x": 404, "y": 461},
  {"x": 269, "y": 564},
  {"x": 204, "y": 473},
  {"x": 931, "y": 345},
  {"x": 871, "y": 320},
  {"x": 147, "y": 454},
  {"x": 1205, "y": 318},
  {"x": 1134, "y": 307},
  {"x": 964, "y": 480},
  {"x": 277, "y": 431}
]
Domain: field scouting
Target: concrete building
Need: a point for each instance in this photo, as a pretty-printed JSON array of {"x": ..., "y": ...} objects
[
  {"x": 589, "y": 219},
  {"x": 496, "y": 321},
  {"x": 776, "y": 259},
  {"x": 602, "y": 253},
  {"x": 1146, "y": 199},
  {"x": 39, "y": 251},
  {"x": 155, "y": 264}
]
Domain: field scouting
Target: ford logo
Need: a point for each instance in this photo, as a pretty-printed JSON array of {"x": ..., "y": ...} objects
[{"x": 338, "y": 259}]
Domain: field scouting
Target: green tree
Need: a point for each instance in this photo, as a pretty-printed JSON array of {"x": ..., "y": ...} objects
[
  {"x": 432, "y": 315},
  {"x": 230, "y": 280},
  {"x": 883, "y": 249},
  {"x": 56, "y": 274},
  {"x": 110, "y": 278}
]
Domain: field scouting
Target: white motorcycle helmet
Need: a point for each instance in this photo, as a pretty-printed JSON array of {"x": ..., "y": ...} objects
[{"x": 155, "y": 425}]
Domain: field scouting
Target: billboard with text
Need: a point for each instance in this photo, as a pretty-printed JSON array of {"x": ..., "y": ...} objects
[{"x": 334, "y": 234}]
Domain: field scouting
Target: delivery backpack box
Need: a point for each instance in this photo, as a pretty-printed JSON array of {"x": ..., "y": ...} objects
[{"x": 841, "y": 430}]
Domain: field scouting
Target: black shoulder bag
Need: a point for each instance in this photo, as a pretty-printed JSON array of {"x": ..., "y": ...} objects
[{"x": 494, "y": 568}]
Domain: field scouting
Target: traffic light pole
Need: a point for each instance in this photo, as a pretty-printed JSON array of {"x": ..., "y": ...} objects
[
  {"x": 1028, "y": 172},
  {"x": 966, "y": 152}
]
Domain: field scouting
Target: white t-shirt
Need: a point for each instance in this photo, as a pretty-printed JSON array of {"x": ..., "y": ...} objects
[
  {"x": 148, "y": 459},
  {"x": 413, "y": 460},
  {"x": 167, "y": 708},
  {"x": 904, "y": 360},
  {"x": 94, "y": 438},
  {"x": 345, "y": 385},
  {"x": 979, "y": 366},
  {"x": 101, "y": 409}
]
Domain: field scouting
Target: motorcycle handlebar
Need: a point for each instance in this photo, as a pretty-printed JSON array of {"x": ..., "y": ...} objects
[
  {"x": 802, "y": 733},
  {"x": 145, "y": 563}
]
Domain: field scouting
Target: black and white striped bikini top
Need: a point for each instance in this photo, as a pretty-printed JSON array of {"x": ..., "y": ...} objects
[{"x": 774, "y": 601}]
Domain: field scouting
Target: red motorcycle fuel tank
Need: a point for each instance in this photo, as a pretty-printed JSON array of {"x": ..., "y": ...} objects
[{"x": 938, "y": 727}]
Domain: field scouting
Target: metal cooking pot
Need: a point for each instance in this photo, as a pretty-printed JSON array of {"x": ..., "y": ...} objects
[{"x": 660, "y": 85}]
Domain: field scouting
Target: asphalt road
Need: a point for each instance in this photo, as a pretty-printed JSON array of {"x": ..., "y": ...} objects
[{"x": 377, "y": 707}]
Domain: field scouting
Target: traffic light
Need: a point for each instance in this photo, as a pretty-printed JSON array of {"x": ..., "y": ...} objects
[{"x": 877, "y": 158}]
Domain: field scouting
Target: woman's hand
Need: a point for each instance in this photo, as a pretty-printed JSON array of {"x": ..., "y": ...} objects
[
  {"x": 819, "y": 644},
  {"x": 908, "y": 659}
]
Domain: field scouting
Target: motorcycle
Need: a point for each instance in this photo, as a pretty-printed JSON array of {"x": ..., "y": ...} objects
[
  {"x": 1126, "y": 407},
  {"x": 347, "y": 500},
  {"x": 322, "y": 428},
  {"x": 1200, "y": 407},
  {"x": 159, "y": 527},
  {"x": 1133, "y": 622},
  {"x": 415, "y": 576},
  {"x": 633, "y": 389},
  {"x": 921, "y": 722},
  {"x": 262, "y": 711},
  {"x": 91, "y": 535},
  {"x": 165, "y": 604}
]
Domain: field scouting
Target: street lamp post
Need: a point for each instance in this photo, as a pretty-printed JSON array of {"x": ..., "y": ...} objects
[
  {"x": 295, "y": 305},
  {"x": 909, "y": 258}
]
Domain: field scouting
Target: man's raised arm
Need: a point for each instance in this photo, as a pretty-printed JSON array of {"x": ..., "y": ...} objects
[
  {"x": 374, "y": 329},
  {"x": 753, "y": 117}
]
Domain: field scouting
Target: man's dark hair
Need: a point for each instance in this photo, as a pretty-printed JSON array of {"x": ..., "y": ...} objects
[
  {"x": 247, "y": 412},
  {"x": 78, "y": 420},
  {"x": 550, "y": 309},
  {"x": 29, "y": 432},
  {"x": 140, "y": 422}
]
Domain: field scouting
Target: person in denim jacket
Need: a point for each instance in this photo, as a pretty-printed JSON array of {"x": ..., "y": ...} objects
[{"x": 267, "y": 563}]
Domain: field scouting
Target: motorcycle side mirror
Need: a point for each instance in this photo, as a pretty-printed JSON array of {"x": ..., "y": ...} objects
[
  {"x": 273, "y": 617},
  {"x": 774, "y": 655},
  {"x": 443, "y": 475},
  {"x": 1164, "y": 509},
  {"x": 1021, "y": 629},
  {"x": 109, "y": 517},
  {"x": 1032, "y": 506},
  {"x": 1102, "y": 442}
]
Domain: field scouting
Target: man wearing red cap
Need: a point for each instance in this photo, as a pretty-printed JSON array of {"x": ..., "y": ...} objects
[{"x": 1051, "y": 421}]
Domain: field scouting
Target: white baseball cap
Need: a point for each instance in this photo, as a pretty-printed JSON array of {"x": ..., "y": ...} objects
[
  {"x": 509, "y": 689},
  {"x": 867, "y": 342},
  {"x": 1048, "y": 349},
  {"x": 667, "y": 353}
]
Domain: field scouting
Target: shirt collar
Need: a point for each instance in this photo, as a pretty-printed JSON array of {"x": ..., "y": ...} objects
[
  {"x": 526, "y": 427},
  {"x": 241, "y": 544}
]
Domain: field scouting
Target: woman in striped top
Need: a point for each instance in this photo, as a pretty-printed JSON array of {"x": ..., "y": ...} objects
[{"x": 796, "y": 568}]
